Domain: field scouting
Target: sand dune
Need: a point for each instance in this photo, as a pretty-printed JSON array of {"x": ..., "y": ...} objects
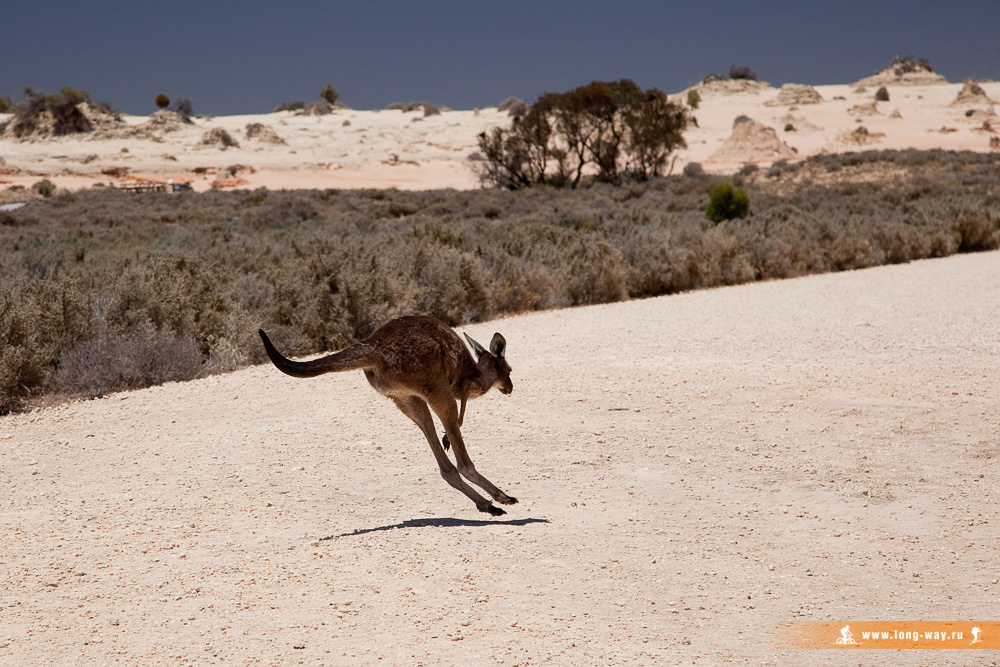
[
  {"x": 690, "y": 469},
  {"x": 390, "y": 148}
]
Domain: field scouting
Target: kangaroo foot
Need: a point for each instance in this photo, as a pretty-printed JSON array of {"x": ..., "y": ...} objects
[{"x": 492, "y": 509}]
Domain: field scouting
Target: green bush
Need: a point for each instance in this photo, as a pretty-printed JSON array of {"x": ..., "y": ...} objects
[{"x": 727, "y": 202}]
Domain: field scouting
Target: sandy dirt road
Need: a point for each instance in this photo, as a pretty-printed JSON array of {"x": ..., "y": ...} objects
[{"x": 691, "y": 469}]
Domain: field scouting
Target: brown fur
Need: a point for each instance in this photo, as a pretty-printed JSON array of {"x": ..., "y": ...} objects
[{"x": 422, "y": 365}]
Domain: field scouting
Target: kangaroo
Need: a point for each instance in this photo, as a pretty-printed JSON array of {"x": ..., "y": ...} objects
[{"x": 422, "y": 365}]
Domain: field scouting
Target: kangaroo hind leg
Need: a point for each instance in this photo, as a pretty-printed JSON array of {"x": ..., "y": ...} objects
[
  {"x": 416, "y": 409},
  {"x": 447, "y": 412}
]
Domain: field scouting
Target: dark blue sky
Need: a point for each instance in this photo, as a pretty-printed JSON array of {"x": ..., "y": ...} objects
[{"x": 246, "y": 57}]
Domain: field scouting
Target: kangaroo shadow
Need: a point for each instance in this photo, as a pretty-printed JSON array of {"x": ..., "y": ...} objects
[{"x": 443, "y": 522}]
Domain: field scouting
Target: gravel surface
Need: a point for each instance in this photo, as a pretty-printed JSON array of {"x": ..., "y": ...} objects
[{"x": 691, "y": 470}]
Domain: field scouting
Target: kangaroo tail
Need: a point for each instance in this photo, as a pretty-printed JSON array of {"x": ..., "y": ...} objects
[{"x": 352, "y": 358}]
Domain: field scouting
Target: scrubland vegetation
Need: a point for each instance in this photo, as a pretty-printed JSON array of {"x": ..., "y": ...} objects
[{"x": 102, "y": 290}]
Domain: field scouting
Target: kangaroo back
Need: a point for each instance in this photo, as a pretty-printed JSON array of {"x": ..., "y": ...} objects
[{"x": 358, "y": 356}]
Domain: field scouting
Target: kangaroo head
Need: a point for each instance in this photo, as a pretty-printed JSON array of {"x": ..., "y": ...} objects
[{"x": 493, "y": 362}]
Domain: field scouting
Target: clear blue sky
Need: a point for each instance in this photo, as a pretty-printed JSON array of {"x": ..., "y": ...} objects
[{"x": 247, "y": 57}]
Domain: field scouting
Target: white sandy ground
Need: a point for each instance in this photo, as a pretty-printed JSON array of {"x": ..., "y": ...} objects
[
  {"x": 691, "y": 469},
  {"x": 354, "y": 149}
]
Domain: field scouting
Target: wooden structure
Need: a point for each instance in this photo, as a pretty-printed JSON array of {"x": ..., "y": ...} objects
[{"x": 147, "y": 185}]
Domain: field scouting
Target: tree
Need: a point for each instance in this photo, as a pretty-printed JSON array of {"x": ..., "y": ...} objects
[
  {"x": 162, "y": 101},
  {"x": 615, "y": 128},
  {"x": 654, "y": 130},
  {"x": 330, "y": 94}
]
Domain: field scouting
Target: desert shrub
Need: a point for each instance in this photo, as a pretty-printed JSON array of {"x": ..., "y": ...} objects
[
  {"x": 5, "y": 105},
  {"x": 330, "y": 94},
  {"x": 184, "y": 107},
  {"x": 416, "y": 106},
  {"x": 882, "y": 94},
  {"x": 693, "y": 170},
  {"x": 712, "y": 78},
  {"x": 781, "y": 167},
  {"x": 693, "y": 98},
  {"x": 162, "y": 101},
  {"x": 263, "y": 133},
  {"x": 25, "y": 360},
  {"x": 509, "y": 102},
  {"x": 976, "y": 231},
  {"x": 727, "y": 203},
  {"x": 723, "y": 259},
  {"x": 319, "y": 108},
  {"x": 289, "y": 106},
  {"x": 431, "y": 110},
  {"x": 906, "y": 64},
  {"x": 127, "y": 361},
  {"x": 38, "y": 318},
  {"x": 742, "y": 72},
  {"x": 517, "y": 110},
  {"x": 513, "y": 106},
  {"x": 42, "y": 114},
  {"x": 595, "y": 273},
  {"x": 658, "y": 261},
  {"x": 217, "y": 136},
  {"x": 455, "y": 285},
  {"x": 44, "y": 187}
]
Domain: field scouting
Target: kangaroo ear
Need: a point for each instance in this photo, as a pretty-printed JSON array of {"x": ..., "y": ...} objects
[
  {"x": 498, "y": 345},
  {"x": 476, "y": 347}
]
